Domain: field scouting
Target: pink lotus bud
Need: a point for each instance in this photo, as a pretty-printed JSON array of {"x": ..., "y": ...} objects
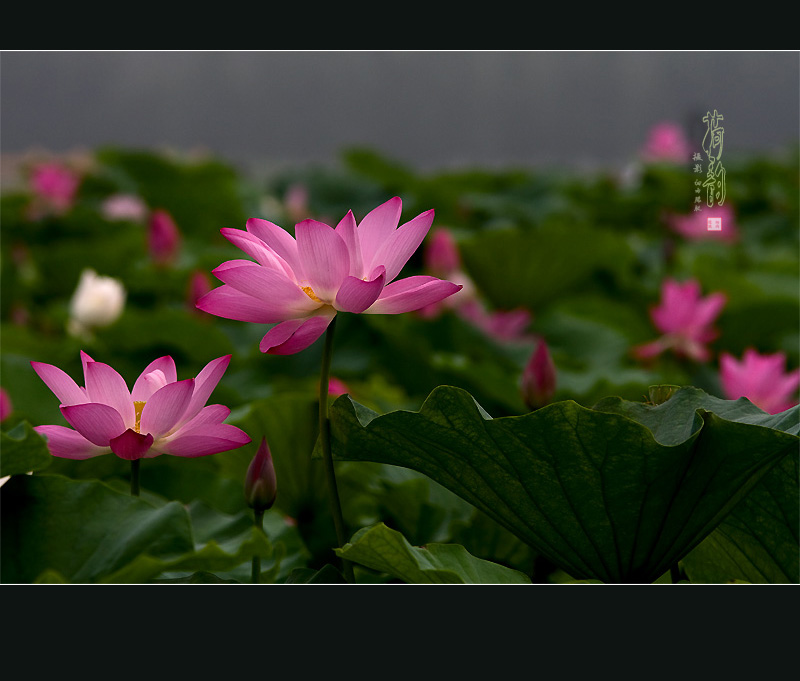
[
  {"x": 539, "y": 378},
  {"x": 260, "y": 486},
  {"x": 5, "y": 405},
  {"x": 164, "y": 240},
  {"x": 337, "y": 387},
  {"x": 441, "y": 255},
  {"x": 296, "y": 202},
  {"x": 199, "y": 285}
]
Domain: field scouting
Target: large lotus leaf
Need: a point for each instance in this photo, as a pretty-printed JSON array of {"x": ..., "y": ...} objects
[
  {"x": 83, "y": 530},
  {"x": 386, "y": 550},
  {"x": 759, "y": 541},
  {"x": 596, "y": 493},
  {"x": 23, "y": 450},
  {"x": 58, "y": 529},
  {"x": 529, "y": 268}
]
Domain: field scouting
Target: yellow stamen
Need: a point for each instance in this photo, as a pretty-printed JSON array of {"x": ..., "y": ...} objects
[
  {"x": 138, "y": 405},
  {"x": 310, "y": 293}
]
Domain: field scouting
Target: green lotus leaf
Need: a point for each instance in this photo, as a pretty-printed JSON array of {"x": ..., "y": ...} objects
[
  {"x": 759, "y": 541},
  {"x": 386, "y": 550},
  {"x": 599, "y": 494},
  {"x": 24, "y": 450}
]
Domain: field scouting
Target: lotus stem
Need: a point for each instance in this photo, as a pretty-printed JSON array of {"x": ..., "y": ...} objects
[
  {"x": 258, "y": 521},
  {"x": 135, "y": 463},
  {"x": 325, "y": 437}
]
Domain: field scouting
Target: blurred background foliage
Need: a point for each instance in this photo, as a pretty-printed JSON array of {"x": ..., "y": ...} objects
[{"x": 584, "y": 255}]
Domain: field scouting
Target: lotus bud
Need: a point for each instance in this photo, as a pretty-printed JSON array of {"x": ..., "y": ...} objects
[
  {"x": 163, "y": 238},
  {"x": 336, "y": 387},
  {"x": 296, "y": 202},
  {"x": 539, "y": 378},
  {"x": 97, "y": 301},
  {"x": 199, "y": 285},
  {"x": 260, "y": 485},
  {"x": 5, "y": 405},
  {"x": 441, "y": 255}
]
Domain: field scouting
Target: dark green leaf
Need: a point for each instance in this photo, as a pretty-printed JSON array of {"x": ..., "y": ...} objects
[
  {"x": 24, "y": 450},
  {"x": 598, "y": 494},
  {"x": 386, "y": 550}
]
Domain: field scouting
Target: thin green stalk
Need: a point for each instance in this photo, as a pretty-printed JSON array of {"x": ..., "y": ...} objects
[
  {"x": 135, "y": 477},
  {"x": 325, "y": 436},
  {"x": 258, "y": 521}
]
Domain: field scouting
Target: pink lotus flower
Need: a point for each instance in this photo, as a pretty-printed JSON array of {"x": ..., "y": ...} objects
[
  {"x": 761, "y": 379},
  {"x": 666, "y": 141},
  {"x": 163, "y": 238},
  {"x": 161, "y": 415},
  {"x": 539, "y": 378},
  {"x": 442, "y": 259},
  {"x": 55, "y": 184},
  {"x": 685, "y": 320},
  {"x": 694, "y": 226},
  {"x": 299, "y": 285}
]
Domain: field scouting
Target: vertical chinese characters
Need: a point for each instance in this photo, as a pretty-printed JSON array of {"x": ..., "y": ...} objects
[{"x": 712, "y": 145}]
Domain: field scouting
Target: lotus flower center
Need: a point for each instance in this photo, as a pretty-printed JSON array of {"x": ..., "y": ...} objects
[
  {"x": 310, "y": 293},
  {"x": 138, "y": 405}
]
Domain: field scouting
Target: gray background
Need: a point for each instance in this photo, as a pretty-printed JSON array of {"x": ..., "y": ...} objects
[{"x": 428, "y": 109}]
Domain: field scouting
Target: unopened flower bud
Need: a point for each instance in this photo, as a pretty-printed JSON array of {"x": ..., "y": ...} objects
[
  {"x": 441, "y": 254},
  {"x": 539, "y": 378},
  {"x": 260, "y": 485},
  {"x": 5, "y": 405},
  {"x": 97, "y": 301},
  {"x": 163, "y": 238}
]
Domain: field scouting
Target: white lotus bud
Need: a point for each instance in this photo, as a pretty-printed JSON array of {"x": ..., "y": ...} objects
[{"x": 98, "y": 301}]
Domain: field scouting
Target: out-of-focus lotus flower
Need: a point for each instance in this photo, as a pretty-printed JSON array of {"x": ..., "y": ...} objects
[
  {"x": 301, "y": 284},
  {"x": 337, "y": 387},
  {"x": 5, "y": 405},
  {"x": 762, "y": 379},
  {"x": 260, "y": 484},
  {"x": 684, "y": 318},
  {"x": 54, "y": 186},
  {"x": 666, "y": 141},
  {"x": 442, "y": 259},
  {"x": 161, "y": 415},
  {"x": 694, "y": 226},
  {"x": 124, "y": 207},
  {"x": 163, "y": 238},
  {"x": 539, "y": 378},
  {"x": 199, "y": 285},
  {"x": 295, "y": 202},
  {"x": 98, "y": 301},
  {"x": 502, "y": 325}
]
